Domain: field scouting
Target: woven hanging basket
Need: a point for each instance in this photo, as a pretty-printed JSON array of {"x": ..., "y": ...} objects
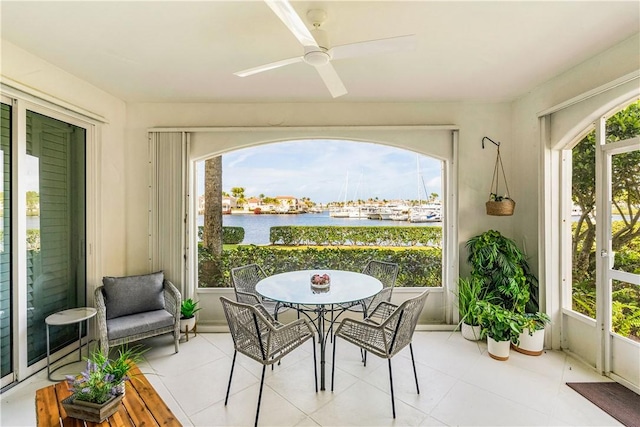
[
  {"x": 501, "y": 208},
  {"x": 505, "y": 205}
]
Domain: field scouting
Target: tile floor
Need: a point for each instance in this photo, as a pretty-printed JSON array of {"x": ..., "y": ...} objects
[{"x": 459, "y": 385}]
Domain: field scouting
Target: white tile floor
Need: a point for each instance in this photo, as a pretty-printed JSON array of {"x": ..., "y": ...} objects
[{"x": 459, "y": 385}]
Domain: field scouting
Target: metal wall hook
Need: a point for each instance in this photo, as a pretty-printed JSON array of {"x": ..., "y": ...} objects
[{"x": 486, "y": 137}]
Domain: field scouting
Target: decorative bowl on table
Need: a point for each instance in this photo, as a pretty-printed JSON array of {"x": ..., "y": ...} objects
[{"x": 320, "y": 282}]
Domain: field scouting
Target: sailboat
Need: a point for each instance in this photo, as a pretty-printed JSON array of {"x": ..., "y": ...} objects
[{"x": 427, "y": 212}]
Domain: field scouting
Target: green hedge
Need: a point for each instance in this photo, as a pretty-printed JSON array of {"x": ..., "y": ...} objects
[
  {"x": 420, "y": 267},
  {"x": 356, "y": 236},
  {"x": 230, "y": 235}
]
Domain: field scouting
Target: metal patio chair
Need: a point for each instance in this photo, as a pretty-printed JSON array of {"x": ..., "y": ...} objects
[
  {"x": 257, "y": 335},
  {"x": 386, "y": 331},
  {"x": 245, "y": 279}
]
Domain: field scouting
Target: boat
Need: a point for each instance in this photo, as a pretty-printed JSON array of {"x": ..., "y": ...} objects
[
  {"x": 423, "y": 214},
  {"x": 430, "y": 212}
]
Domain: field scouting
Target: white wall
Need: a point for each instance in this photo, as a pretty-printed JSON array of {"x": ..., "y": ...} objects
[
  {"x": 602, "y": 69},
  {"x": 26, "y": 69},
  {"x": 473, "y": 120}
]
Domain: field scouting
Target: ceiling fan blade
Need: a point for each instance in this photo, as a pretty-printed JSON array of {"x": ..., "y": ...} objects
[
  {"x": 292, "y": 20},
  {"x": 331, "y": 80},
  {"x": 374, "y": 47},
  {"x": 267, "y": 67}
]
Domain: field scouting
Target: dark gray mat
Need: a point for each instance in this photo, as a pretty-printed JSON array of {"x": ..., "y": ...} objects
[{"x": 613, "y": 398}]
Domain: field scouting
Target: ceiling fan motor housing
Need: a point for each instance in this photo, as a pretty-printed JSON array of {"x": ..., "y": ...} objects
[{"x": 315, "y": 57}]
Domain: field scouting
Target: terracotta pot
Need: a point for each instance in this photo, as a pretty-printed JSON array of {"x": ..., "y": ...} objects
[
  {"x": 498, "y": 350},
  {"x": 472, "y": 333},
  {"x": 531, "y": 345}
]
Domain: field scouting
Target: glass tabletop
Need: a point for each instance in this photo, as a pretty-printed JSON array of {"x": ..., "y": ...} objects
[{"x": 295, "y": 287}]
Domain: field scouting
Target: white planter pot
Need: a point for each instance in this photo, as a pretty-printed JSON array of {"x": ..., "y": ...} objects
[
  {"x": 187, "y": 325},
  {"x": 472, "y": 333},
  {"x": 531, "y": 344},
  {"x": 498, "y": 350}
]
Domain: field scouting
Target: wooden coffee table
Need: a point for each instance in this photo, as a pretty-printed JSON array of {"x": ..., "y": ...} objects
[{"x": 141, "y": 405}]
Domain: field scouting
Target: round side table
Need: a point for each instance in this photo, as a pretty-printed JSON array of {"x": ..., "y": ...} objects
[{"x": 68, "y": 317}]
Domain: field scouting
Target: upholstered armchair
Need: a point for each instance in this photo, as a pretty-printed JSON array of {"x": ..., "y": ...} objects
[{"x": 136, "y": 307}]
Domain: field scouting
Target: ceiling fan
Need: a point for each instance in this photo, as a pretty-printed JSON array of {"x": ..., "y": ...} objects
[{"x": 317, "y": 52}]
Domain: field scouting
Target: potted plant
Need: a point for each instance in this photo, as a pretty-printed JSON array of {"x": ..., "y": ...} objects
[
  {"x": 188, "y": 311},
  {"x": 95, "y": 397},
  {"x": 470, "y": 291},
  {"x": 531, "y": 339},
  {"x": 496, "y": 260},
  {"x": 120, "y": 366},
  {"x": 501, "y": 327}
]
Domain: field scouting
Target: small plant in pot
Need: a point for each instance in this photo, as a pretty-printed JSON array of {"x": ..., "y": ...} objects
[
  {"x": 120, "y": 366},
  {"x": 470, "y": 291},
  {"x": 188, "y": 311},
  {"x": 501, "y": 327},
  {"x": 531, "y": 339}
]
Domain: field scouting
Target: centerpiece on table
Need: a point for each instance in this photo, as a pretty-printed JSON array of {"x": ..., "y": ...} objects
[
  {"x": 98, "y": 390},
  {"x": 320, "y": 282}
]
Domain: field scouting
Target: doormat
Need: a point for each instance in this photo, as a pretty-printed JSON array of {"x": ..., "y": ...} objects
[{"x": 613, "y": 398}]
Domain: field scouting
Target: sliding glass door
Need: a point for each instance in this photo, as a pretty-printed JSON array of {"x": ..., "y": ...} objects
[
  {"x": 6, "y": 306},
  {"x": 55, "y": 218},
  {"x": 43, "y": 245}
]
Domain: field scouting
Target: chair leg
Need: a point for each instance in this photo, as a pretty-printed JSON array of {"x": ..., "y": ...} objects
[
  {"x": 233, "y": 363},
  {"x": 260, "y": 394},
  {"x": 315, "y": 363},
  {"x": 415, "y": 374},
  {"x": 393, "y": 403},
  {"x": 333, "y": 363}
]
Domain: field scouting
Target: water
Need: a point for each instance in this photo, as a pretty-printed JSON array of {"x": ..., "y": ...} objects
[{"x": 256, "y": 227}]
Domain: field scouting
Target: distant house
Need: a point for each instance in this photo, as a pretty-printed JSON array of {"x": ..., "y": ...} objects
[
  {"x": 287, "y": 204},
  {"x": 228, "y": 203},
  {"x": 252, "y": 204}
]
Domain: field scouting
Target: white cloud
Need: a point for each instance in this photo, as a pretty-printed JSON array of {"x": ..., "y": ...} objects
[{"x": 318, "y": 169}]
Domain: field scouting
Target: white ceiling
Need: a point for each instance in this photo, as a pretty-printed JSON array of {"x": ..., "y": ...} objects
[{"x": 181, "y": 51}]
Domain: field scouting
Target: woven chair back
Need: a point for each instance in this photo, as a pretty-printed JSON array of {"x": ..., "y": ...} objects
[
  {"x": 249, "y": 329},
  {"x": 246, "y": 278},
  {"x": 402, "y": 323},
  {"x": 386, "y": 272}
]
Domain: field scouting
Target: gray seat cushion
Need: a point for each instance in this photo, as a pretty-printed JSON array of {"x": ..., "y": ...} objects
[
  {"x": 140, "y": 323},
  {"x": 133, "y": 294}
]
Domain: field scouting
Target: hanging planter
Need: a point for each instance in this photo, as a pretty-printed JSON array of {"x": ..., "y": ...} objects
[{"x": 499, "y": 205}]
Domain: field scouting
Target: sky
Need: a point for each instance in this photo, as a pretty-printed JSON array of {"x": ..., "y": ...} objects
[{"x": 323, "y": 170}]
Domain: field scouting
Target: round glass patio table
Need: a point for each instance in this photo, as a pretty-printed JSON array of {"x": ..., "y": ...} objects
[{"x": 293, "y": 289}]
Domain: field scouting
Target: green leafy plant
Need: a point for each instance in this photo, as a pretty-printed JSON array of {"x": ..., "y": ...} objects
[
  {"x": 470, "y": 291},
  {"x": 499, "y": 323},
  {"x": 497, "y": 261},
  {"x": 121, "y": 365},
  {"x": 189, "y": 308},
  {"x": 103, "y": 376},
  {"x": 534, "y": 321},
  {"x": 92, "y": 385},
  {"x": 495, "y": 198}
]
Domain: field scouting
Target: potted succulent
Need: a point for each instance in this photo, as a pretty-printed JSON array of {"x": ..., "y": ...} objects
[
  {"x": 531, "y": 339},
  {"x": 501, "y": 327},
  {"x": 188, "y": 311}
]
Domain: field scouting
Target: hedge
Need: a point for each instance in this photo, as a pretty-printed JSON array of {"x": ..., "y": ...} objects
[
  {"x": 356, "y": 236},
  {"x": 230, "y": 235},
  {"x": 420, "y": 267}
]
